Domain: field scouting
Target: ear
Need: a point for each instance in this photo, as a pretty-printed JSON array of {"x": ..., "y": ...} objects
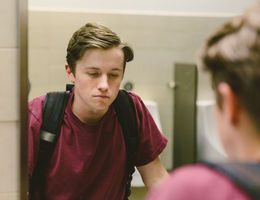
[
  {"x": 69, "y": 73},
  {"x": 230, "y": 103}
]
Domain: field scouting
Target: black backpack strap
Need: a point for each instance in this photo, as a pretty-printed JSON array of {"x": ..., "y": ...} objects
[
  {"x": 244, "y": 175},
  {"x": 125, "y": 111},
  {"x": 52, "y": 118}
]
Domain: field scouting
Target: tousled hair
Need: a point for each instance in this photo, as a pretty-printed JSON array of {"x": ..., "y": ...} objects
[{"x": 93, "y": 35}]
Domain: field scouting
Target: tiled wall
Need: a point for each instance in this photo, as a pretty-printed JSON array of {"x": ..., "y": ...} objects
[
  {"x": 9, "y": 101},
  {"x": 158, "y": 41}
]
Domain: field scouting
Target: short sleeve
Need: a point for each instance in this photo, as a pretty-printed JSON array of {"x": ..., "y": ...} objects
[{"x": 151, "y": 140}]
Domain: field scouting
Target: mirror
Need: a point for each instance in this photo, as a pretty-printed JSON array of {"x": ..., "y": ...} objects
[{"x": 161, "y": 34}]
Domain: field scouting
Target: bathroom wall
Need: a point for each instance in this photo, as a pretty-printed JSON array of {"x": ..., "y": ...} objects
[
  {"x": 159, "y": 41},
  {"x": 9, "y": 101}
]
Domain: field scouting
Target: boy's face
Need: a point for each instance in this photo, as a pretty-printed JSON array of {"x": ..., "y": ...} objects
[{"x": 97, "y": 79}]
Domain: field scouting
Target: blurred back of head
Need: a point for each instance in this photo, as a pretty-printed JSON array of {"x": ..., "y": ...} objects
[{"x": 232, "y": 55}]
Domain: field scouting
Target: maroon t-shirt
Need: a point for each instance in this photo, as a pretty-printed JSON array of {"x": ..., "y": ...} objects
[
  {"x": 197, "y": 182},
  {"x": 89, "y": 161}
]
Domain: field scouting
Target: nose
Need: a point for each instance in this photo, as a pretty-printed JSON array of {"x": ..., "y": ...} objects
[{"x": 103, "y": 83}]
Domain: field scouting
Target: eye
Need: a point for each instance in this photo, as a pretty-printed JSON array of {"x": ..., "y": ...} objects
[
  {"x": 113, "y": 75},
  {"x": 92, "y": 73}
]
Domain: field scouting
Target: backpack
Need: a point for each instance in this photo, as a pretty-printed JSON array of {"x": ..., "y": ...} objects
[
  {"x": 53, "y": 111},
  {"x": 245, "y": 175}
]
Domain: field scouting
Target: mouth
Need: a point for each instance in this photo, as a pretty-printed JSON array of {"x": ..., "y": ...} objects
[{"x": 101, "y": 96}]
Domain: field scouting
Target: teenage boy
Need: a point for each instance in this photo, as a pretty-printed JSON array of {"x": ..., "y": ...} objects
[
  {"x": 232, "y": 57},
  {"x": 89, "y": 159}
]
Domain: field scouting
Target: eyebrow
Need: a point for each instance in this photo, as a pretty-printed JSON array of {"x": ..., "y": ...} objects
[
  {"x": 96, "y": 68},
  {"x": 116, "y": 69}
]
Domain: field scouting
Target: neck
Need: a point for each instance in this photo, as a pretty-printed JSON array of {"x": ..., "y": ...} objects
[
  {"x": 250, "y": 151},
  {"x": 248, "y": 142},
  {"x": 250, "y": 155},
  {"x": 86, "y": 115},
  {"x": 91, "y": 117}
]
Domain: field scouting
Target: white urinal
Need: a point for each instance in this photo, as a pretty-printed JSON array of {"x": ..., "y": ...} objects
[
  {"x": 208, "y": 143},
  {"x": 153, "y": 109}
]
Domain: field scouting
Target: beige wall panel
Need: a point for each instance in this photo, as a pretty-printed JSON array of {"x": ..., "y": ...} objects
[
  {"x": 39, "y": 29},
  {"x": 9, "y": 196},
  {"x": 9, "y": 166},
  {"x": 9, "y": 85},
  {"x": 8, "y": 24}
]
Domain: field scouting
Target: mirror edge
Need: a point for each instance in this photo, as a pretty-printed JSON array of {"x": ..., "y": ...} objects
[{"x": 23, "y": 96}]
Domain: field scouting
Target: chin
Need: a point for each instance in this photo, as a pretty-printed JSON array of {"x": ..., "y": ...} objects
[{"x": 100, "y": 108}]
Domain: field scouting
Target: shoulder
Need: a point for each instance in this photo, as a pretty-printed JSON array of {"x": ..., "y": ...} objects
[
  {"x": 138, "y": 102},
  {"x": 135, "y": 97},
  {"x": 202, "y": 174},
  {"x": 188, "y": 183}
]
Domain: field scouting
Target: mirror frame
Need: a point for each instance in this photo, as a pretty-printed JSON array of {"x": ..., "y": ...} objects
[{"x": 22, "y": 18}]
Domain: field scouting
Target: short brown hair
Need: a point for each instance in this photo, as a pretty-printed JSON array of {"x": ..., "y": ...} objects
[
  {"x": 232, "y": 55},
  {"x": 94, "y": 35}
]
